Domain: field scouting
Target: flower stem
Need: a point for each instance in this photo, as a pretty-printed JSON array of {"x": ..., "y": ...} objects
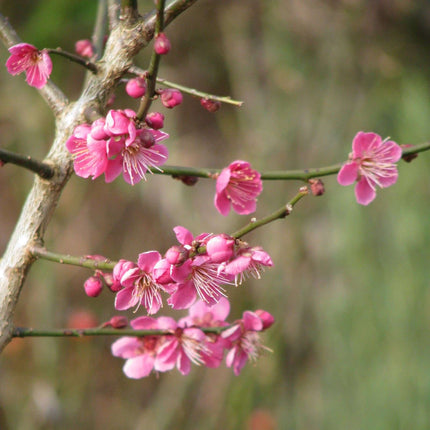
[
  {"x": 151, "y": 76},
  {"x": 187, "y": 90},
  {"x": 97, "y": 331},
  {"x": 278, "y": 214},
  {"x": 44, "y": 170},
  {"x": 83, "y": 261},
  {"x": 75, "y": 58}
]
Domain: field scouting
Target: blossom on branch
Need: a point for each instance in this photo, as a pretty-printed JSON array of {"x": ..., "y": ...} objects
[
  {"x": 371, "y": 164},
  {"x": 238, "y": 186},
  {"x": 27, "y": 58}
]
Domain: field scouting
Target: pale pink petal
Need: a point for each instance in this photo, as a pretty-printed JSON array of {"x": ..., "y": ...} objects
[
  {"x": 238, "y": 265},
  {"x": 184, "y": 364},
  {"x": 126, "y": 347},
  {"x": 144, "y": 323},
  {"x": 244, "y": 207},
  {"x": 221, "y": 309},
  {"x": 386, "y": 181},
  {"x": 139, "y": 367},
  {"x": 252, "y": 322},
  {"x": 348, "y": 174},
  {"x": 113, "y": 169},
  {"x": 395, "y": 151},
  {"x": 223, "y": 180},
  {"x": 364, "y": 193}
]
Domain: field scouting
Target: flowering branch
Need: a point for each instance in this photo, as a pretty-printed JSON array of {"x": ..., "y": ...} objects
[
  {"x": 75, "y": 58},
  {"x": 151, "y": 75},
  {"x": 44, "y": 170},
  {"x": 187, "y": 90},
  {"x": 78, "y": 332},
  {"x": 279, "y": 214},
  {"x": 83, "y": 261}
]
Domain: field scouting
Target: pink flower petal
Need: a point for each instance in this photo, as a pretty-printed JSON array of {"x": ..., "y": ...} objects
[
  {"x": 125, "y": 347},
  {"x": 124, "y": 299},
  {"x": 184, "y": 296},
  {"x": 348, "y": 174},
  {"x": 364, "y": 193},
  {"x": 147, "y": 260},
  {"x": 363, "y": 142},
  {"x": 139, "y": 367},
  {"x": 183, "y": 235}
]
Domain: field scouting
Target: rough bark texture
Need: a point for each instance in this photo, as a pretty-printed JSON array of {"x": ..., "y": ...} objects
[{"x": 124, "y": 42}]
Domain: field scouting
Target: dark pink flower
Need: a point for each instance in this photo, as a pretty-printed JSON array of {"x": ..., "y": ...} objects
[
  {"x": 371, "y": 164},
  {"x": 161, "y": 44},
  {"x": 84, "y": 48},
  {"x": 238, "y": 186},
  {"x": 139, "y": 352},
  {"x": 27, "y": 58},
  {"x": 140, "y": 287}
]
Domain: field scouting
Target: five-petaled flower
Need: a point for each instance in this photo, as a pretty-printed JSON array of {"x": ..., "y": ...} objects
[
  {"x": 27, "y": 58},
  {"x": 371, "y": 163},
  {"x": 238, "y": 186}
]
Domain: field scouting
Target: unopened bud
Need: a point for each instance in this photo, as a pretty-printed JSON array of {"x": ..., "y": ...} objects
[
  {"x": 171, "y": 98},
  {"x": 317, "y": 187},
  {"x": 187, "y": 180},
  {"x": 176, "y": 254},
  {"x": 408, "y": 157},
  {"x": 136, "y": 87},
  {"x": 210, "y": 105},
  {"x": 117, "y": 321},
  {"x": 84, "y": 48},
  {"x": 93, "y": 286},
  {"x": 155, "y": 120},
  {"x": 162, "y": 44},
  {"x": 267, "y": 318}
]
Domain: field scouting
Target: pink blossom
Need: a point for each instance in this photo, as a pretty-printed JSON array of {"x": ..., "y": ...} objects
[
  {"x": 238, "y": 186},
  {"x": 93, "y": 286},
  {"x": 183, "y": 347},
  {"x": 220, "y": 248},
  {"x": 139, "y": 284},
  {"x": 161, "y": 44},
  {"x": 84, "y": 48},
  {"x": 27, "y": 58},
  {"x": 371, "y": 164},
  {"x": 244, "y": 340},
  {"x": 139, "y": 352}
]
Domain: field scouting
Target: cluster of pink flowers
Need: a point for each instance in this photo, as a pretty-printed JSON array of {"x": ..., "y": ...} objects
[
  {"x": 115, "y": 145},
  {"x": 36, "y": 64},
  {"x": 185, "y": 342},
  {"x": 197, "y": 267},
  {"x": 371, "y": 164}
]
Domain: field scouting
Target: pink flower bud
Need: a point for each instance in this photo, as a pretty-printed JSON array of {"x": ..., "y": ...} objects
[
  {"x": 267, "y": 318},
  {"x": 210, "y": 105},
  {"x": 171, "y": 98},
  {"x": 118, "y": 321},
  {"x": 136, "y": 87},
  {"x": 220, "y": 248},
  {"x": 176, "y": 255},
  {"x": 84, "y": 48},
  {"x": 93, "y": 286},
  {"x": 155, "y": 120},
  {"x": 317, "y": 187},
  {"x": 162, "y": 44}
]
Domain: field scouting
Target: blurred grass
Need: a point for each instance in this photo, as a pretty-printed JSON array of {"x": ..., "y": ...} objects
[{"x": 349, "y": 289}]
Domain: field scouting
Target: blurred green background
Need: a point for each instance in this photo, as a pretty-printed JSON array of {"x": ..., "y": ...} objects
[{"x": 350, "y": 285}]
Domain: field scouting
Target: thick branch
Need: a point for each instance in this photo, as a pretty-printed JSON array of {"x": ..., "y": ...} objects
[{"x": 123, "y": 44}]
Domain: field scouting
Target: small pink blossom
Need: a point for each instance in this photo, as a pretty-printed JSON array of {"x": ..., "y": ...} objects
[
  {"x": 27, "y": 58},
  {"x": 93, "y": 286},
  {"x": 244, "y": 339},
  {"x": 371, "y": 164},
  {"x": 84, "y": 48},
  {"x": 220, "y": 248},
  {"x": 140, "y": 287},
  {"x": 238, "y": 186}
]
